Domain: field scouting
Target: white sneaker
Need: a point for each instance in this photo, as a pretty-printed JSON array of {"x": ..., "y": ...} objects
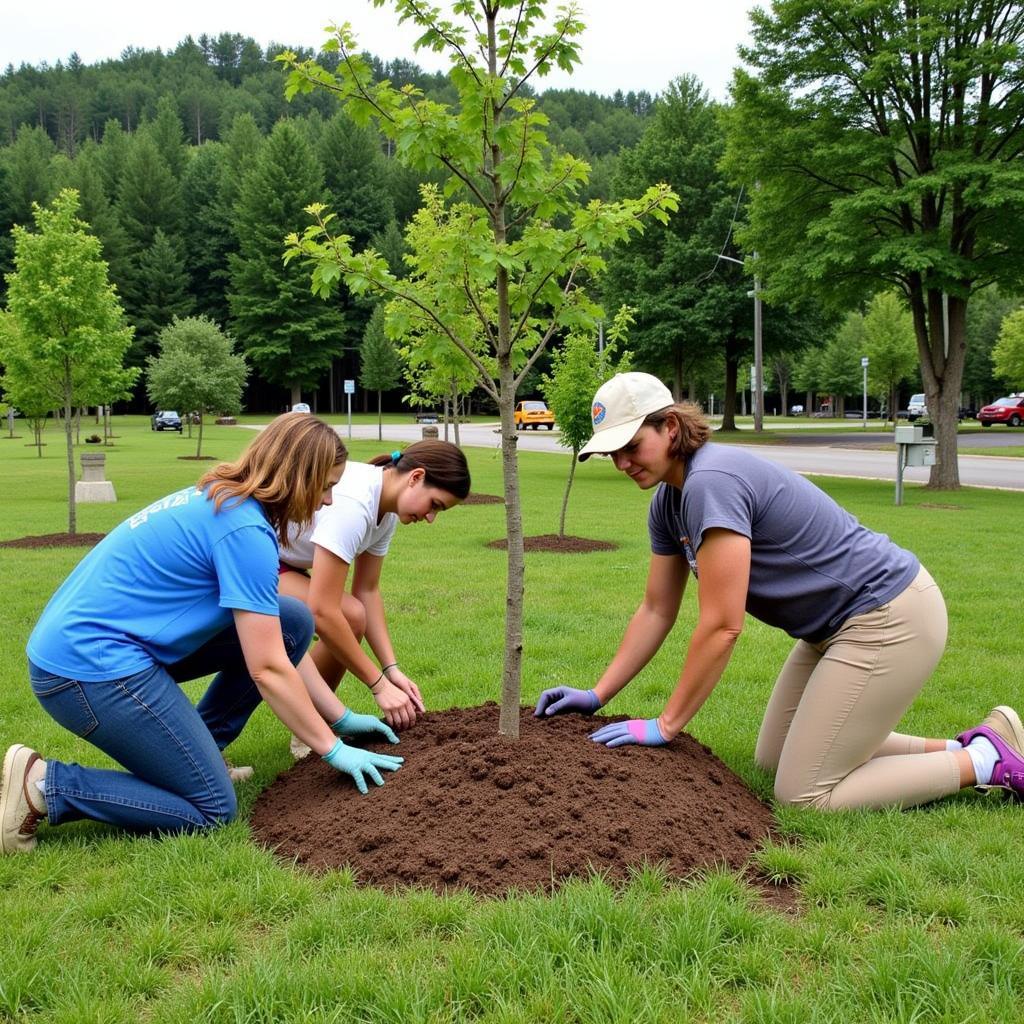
[
  {"x": 20, "y": 813},
  {"x": 239, "y": 773}
]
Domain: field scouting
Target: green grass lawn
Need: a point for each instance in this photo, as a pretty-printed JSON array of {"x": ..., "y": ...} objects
[{"x": 914, "y": 916}]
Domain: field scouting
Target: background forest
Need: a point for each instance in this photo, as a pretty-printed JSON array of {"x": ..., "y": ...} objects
[{"x": 192, "y": 167}]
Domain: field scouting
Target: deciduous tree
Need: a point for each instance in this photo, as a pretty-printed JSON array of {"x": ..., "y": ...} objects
[
  {"x": 578, "y": 369},
  {"x": 887, "y": 139},
  {"x": 1008, "y": 355},
  {"x": 66, "y": 311},
  {"x": 197, "y": 370},
  {"x": 514, "y": 248},
  {"x": 890, "y": 346}
]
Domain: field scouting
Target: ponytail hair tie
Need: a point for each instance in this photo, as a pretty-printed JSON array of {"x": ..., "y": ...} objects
[{"x": 395, "y": 456}]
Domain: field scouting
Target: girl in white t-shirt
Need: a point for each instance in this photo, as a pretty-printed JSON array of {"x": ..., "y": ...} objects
[{"x": 352, "y": 534}]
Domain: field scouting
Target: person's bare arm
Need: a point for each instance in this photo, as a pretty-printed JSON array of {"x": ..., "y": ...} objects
[
  {"x": 650, "y": 624},
  {"x": 326, "y": 587},
  {"x": 723, "y": 564},
  {"x": 278, "y": 681}
]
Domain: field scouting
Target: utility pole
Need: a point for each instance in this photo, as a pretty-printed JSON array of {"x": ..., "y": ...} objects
[{"x": 864, "y": 367}]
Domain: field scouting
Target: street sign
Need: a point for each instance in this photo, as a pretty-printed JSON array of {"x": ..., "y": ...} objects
[
  {"x": 863, "y": 360},
  {"x": 350, "y": 387}
]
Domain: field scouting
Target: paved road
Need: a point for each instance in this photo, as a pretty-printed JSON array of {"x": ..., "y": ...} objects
[{"x": 835, "y": 456}]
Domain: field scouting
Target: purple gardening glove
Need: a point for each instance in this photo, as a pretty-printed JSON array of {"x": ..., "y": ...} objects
[
  {"x": 644, "y": 731},
  {"x": 561, "y": 699}
]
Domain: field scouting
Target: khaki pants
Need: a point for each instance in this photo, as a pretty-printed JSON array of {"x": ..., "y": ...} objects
[{"x": 827, "y": 730}]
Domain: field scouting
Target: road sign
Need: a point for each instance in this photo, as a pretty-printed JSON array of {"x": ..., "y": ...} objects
[{"x": 350, "y": 387}]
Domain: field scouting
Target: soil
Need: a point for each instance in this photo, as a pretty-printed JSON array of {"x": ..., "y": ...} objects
[
  {"x": 469, "y": 809},
  {"x": 482, "y": 499},
  {"x": 198, "y": 458},
  {"x": 55, "y": 540},
  {"x": 551, "y": 542}
]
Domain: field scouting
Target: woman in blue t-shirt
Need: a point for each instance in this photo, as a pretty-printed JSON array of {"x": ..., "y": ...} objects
[
  {"x": 184, "y": 588},
  {"x": 869, "y": 621}
]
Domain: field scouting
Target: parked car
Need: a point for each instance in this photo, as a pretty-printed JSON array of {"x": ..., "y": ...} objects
[
  {"x": 533, "y": 415},
  {"x": 796, "y": 410},
  {"x": 916, "y": 408},
  {"x": 1009, "y": 410},
  {"x": 166, "y": 420},
  {"x": 300, "y": 407}
]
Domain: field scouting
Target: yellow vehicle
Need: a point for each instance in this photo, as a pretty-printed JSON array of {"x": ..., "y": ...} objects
[{"x": 533, "y": 415}]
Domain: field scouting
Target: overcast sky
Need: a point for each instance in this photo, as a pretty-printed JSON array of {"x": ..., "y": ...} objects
[{"x": 629, "y": 44}]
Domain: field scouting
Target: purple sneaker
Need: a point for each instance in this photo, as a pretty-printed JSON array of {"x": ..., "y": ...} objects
[{"x": 1009, "y": 770}]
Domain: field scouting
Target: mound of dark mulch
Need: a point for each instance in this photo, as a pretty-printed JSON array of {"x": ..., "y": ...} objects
[
  {"x": 55, "y": 540},
  {"x": 551, "y": 542},
  {"x": 482, "y": 499},
  {"x": 198, "y": 458},
  {"x": 471, "y": 810}
]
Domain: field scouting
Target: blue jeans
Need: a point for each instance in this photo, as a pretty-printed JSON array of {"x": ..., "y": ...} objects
[{"x": 176, "y": 779}]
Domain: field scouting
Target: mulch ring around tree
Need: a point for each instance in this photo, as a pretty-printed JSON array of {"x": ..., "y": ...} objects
[
  {"x": 554, "y": 544},
  {"x": 482, "y": 499},
  {"x": 469, "y": 809},
  {"x": 198, "y": 458},
  {"x": 55, "y": 540}
]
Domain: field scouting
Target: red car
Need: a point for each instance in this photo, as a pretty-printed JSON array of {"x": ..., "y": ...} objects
[{"x": 1004, "y": 410}]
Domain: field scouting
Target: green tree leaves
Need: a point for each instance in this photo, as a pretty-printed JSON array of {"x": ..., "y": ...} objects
[
  {"x": 66, "y": 320},
  {"x": 197, "y": 370}
]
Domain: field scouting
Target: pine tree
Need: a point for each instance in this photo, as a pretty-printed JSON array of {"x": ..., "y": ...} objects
[
  {"x": 289, "y": 334},
  {"x": 28, "y": 172},
  {"x": 167, "y": 135},
  {"x": 157, "y": 292},
  {"x": 380, "y": 367},
  {"x": 208, "y": 233},
  {"x": 149, "y": 197},
  {"x": 354, "y": 177}
]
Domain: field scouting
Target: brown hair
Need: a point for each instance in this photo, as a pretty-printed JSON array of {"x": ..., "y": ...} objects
[
  {"x": 443, "y": 464},
  {"x": 286, "y": 468},
  {"x": 693, "y": 429}
]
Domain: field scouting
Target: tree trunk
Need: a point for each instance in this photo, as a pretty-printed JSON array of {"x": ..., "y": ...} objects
[
  {"x": 511, "y": 679},
  {"x": 296, "y": 395},
  {"x": 72, "y": 525},
  {"x": 455, "y": 417},
  {"x": 729, "y": 399},
  {"x": 565, "y": 498},
  {"x": 380, "y": 426},
  {"x": 942, "y": 370},
  {"x": 199, "y": 443}
]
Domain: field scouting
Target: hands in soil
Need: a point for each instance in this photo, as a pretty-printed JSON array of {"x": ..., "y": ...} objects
[
  {"x": 360, "y": 763},
  {"x": 352, "y": 724},
  {"x": 562, "y": 699},
  {"x": 644, "y": 731}
]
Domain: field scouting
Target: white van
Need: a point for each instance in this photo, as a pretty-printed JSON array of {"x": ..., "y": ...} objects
[{"x": 916, "y": 407}]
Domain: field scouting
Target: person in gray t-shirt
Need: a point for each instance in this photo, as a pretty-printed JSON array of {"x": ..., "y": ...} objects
[{"x": 869, "y": 621}]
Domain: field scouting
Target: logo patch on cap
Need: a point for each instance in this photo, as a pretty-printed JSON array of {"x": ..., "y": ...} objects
[{"x": 598, "y": 412}]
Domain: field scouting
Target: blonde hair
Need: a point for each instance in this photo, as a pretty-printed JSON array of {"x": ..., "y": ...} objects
[
  {"x": 693, "y": 429},
  {"x": 286, "y": 468}
]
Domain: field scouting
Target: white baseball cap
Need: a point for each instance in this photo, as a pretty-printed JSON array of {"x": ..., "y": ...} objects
[{"x": 619, "y": 409}]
